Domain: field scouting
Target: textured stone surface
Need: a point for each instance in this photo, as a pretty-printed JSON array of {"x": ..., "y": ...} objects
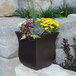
[
  {"x": 67, "y": 29},
  {"x": 61, "y": 56},
  {"x": 8, "y": 7},
  {"x": 53, "y": 70},
  {"x": 7, "y": 66},
  {"x": 71, "y": 2},
  {"x": 72, "y": 15},
  {"x": 56, "y": 3},
  {"x": 8, "y": 38},
  {"x": 21, "y": 3},
  {"x": 44, "y": 4}
]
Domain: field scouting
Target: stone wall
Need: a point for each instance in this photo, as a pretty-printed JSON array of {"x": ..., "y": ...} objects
[
  {"x": 9, "y": 43},
  {"x": 8, "y": 7},
  {"x": 71, "y": 2},
  {"x": 38, "y": 3},
  {"x": 46, "y": 3}
]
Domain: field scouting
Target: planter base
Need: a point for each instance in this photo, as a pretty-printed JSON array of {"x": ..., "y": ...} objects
[{"x": 36, "y": 67}]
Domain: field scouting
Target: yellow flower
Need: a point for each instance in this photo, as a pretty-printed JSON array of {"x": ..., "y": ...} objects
[
  {"x": 44, "y": 21},
  {"x": 30, "y": 15},
  {"x": 51, "y": 22},
  {"x": 42, "y": 24},
  {"x": 46, "y": 28},
  {"x": 45, "y": 25},
  {"x": 49, "y": 31},
  {"x": 51, "y": 27},
  {"x": 56, "y": 24},
  {"x": 38, "y": 20},
  {"x": 62, "y": 12},
  {"x": 42, "y": 18}
]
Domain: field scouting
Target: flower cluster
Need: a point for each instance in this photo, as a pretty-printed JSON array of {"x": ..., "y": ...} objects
[
  {"x": 41, "y": 26},
  {"x": 25, "y": 27},
  {"x": 48, "y": 24}
]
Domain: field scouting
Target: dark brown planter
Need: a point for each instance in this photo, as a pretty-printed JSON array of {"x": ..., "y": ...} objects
[{"x": 39, "y": 53}]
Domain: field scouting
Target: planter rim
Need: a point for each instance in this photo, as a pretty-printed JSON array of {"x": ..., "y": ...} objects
[
  {"x": 42, "y": 36},
  {"x": 49, "y": 34}
]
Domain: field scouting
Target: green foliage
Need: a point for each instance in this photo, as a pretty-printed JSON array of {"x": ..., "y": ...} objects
[
  {"x": 23, "y": 37},
  {"x": 67, "y": 10},
  {"x": 58, "y": 12},
  {"x": 50, "y": 13},
  {"x": 23, "y": 13},
  {"x": 31, "y": 12},
  {"x": 35, "y": 36},
  {"x": 37, "y": 30}
]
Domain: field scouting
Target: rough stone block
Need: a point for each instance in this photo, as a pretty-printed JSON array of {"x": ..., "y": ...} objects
[
  {"x": 52, "y": 70},
  {"x": 71, "y": 3},
  {"x": 67, "y": 29},
  {"x": 8, "y": 38},
  {"x": 7, "y": 66},
  {"x": 8, "y": 7}
]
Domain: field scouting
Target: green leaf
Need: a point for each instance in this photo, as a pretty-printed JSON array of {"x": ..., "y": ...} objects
[
  {"x": 23, "y": 37},
  {"x": 35, "y": 36}
]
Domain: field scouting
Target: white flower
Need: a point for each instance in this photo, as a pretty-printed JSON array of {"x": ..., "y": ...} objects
[
  {"x": 20, "y": 24},
  {"x": 24, "y": 22}
]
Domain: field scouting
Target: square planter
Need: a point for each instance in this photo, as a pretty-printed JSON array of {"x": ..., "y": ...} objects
[{"x": 38, "y": 53}]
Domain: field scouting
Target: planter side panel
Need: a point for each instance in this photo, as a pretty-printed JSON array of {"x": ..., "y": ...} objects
[
  {"x": 27, "y": 51},
  {"x": 46, "y": 50}
]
